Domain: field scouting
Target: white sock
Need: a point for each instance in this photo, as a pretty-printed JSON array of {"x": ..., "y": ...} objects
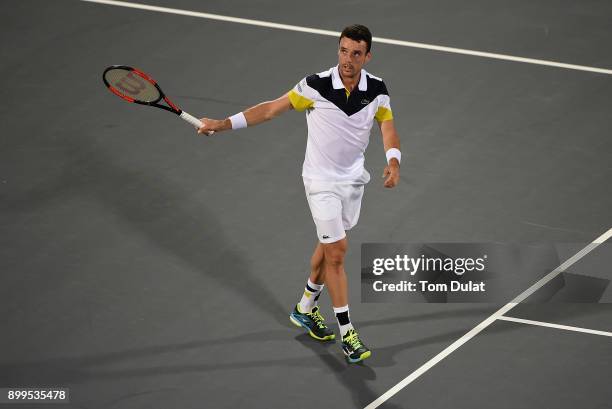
[
  {"x": 344, "y": 319},
  {"x": 310, "y": 296}
]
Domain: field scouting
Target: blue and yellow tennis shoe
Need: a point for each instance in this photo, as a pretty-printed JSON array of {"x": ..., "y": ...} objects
[{"x": 313, "y": 322}]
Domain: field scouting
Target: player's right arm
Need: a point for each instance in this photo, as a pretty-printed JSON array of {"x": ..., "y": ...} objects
[
  {"x": 300, "y": 98},
  {"x": 255, "y": 115}
]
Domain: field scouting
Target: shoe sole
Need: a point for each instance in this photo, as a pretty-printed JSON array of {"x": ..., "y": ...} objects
[
  {"x": 312, "y": 334},
  {"x": 363, "y": 356}
]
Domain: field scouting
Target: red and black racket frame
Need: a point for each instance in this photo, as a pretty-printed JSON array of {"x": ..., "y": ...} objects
[{"x": 172, "y": 108}]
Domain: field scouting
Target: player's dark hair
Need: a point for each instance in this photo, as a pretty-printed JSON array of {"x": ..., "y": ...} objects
[{"x": 358, "y": 32}]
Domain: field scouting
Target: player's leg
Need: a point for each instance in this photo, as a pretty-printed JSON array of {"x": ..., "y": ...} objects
[
  {"x": 352, "y": 345},
  {"x": 317, "y": 276},
  {"x": 335, "y": 276},
  {"x": 317, "y": 273},
  {"x": 314, "y": 285},
  {"x": 326, "y": 209},
  {"x": 306, "y": 313},
  {"x": 337, "y": 285}
]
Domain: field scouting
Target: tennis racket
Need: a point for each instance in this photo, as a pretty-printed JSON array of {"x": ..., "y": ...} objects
[{"x": 135, "y": 86}]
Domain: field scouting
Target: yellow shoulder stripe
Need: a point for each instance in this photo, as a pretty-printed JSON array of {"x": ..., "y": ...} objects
[
  {"x": 383, "y": 114},
  {"x": 299, "y": 102}
]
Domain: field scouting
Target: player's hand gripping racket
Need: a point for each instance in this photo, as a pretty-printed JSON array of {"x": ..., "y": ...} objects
[{"x": 135, "y": 86}]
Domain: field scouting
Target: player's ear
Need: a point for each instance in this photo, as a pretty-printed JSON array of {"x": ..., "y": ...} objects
[{"x": 368, "y": 57}]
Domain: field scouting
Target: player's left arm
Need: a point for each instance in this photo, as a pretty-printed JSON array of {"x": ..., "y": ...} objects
[{"x": 390, "y": 141}]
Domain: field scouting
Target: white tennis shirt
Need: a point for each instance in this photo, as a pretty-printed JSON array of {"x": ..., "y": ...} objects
[{"x": 339, "y": 123}]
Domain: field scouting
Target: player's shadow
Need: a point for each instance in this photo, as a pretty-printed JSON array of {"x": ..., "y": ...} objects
[
  {"x": 83, "y": 368},
  {"x": 112, "y": 366},
  {"x": 354, "y": 378},
  {"x": 165, "y": 214}
]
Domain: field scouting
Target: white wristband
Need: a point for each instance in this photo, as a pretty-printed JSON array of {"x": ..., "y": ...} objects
[
  {"x": 394, "y": 153},
  {"x": 238, "y": 121}
]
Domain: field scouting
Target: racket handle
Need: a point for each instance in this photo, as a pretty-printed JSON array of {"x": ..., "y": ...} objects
[
  {"x": 194, "y": 121},
  {"x": 191, "y": 119}
]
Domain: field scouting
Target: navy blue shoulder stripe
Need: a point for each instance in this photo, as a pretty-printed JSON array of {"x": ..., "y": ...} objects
[
  {"x": 377, "y": 87},
  {"x": 357, "y": 99}
]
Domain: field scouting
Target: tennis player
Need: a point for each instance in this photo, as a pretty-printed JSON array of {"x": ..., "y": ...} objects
[{"x": 341, "y": 106}]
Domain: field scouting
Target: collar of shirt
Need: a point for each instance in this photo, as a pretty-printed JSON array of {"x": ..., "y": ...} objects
[{"x": 337, "y": 81}]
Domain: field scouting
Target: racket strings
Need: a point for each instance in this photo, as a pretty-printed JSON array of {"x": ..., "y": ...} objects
[{"x": 128, "y": 84}]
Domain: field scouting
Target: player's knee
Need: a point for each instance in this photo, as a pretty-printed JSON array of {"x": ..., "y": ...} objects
[
  {"x": 335, "y": 263},
  {"x": 334, "y": 254}
]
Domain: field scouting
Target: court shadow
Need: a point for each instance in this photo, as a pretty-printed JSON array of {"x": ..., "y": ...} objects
[
  {"x": 353, "y": 377},
  {"x": 158, "y": 210},
  {"x": 435, "y": 315},
  {"x": 83, "y": 368}
]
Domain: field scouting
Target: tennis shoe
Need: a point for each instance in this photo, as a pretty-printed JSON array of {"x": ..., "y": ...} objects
[
  {"x": 353, "y": 348},
  {"x": 313, "y": 323}
]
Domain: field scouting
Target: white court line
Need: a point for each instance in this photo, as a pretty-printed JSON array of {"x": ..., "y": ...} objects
[
  {"x": 484, "y": 324},
  {"x": 551, "y": 325},
  {"x": 382, "y": 40}
]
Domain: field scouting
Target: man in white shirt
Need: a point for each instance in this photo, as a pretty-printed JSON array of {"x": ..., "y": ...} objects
[{"x": 341, "y": 105}]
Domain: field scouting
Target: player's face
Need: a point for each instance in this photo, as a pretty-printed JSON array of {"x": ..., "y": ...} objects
[{"x": 352, "y": 56}]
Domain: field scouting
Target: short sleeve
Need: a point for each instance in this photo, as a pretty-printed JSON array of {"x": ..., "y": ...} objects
[
  {"x": 384, "y": 112},
  {"x": 301, "y": 96}
]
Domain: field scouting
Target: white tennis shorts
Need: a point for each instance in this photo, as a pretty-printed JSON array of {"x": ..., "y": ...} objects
[{"x": 334, "y": 206}]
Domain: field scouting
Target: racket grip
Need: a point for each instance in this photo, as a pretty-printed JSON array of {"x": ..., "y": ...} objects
[{"x": 191, "y": 119}]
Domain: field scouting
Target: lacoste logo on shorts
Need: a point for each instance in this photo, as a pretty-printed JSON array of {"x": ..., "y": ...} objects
[
  {"x": 325, "y": 236},
  {"x": 364, "y": 102}
]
